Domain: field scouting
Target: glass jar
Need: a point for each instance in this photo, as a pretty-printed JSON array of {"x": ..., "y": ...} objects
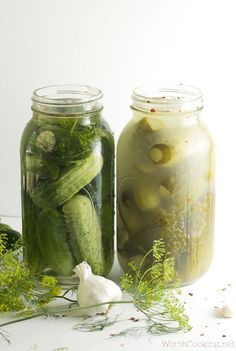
[
  {"x": 67, "y": 168},
  {"x": 165, "y": 180}
]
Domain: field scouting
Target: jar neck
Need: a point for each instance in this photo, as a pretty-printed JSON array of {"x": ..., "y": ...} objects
[
  {"x": 180, "y": 101},
  {"x": 170, "y": 120},
  {"x": 67, "y": 101}
]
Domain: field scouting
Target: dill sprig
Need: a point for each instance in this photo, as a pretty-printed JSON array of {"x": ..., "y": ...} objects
[
  {"x": 19, "y": 291},
  {"x": 153, "y": 294},
  {"x": 150, "y": 290},
  {"x": 96, "y": 323},
  {"x": 5, "y": 335}
]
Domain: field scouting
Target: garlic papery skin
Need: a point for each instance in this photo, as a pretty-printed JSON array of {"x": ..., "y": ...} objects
[{"x": 94, "y": 289}]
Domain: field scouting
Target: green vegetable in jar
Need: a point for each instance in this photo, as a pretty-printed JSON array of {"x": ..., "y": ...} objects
[
  {"x": 52, "y": 242},
  {"x": 85, "y": 232},
  {"x": 135, "y": 197},
  {"x": 149, "y": 124},
  {"x": 145, "y": 197},
  {"x": 73, "y": 179},
  {"x": 43, "y": 165},
  {"x": 32, "y": 254},
  {"x": 161, "y": 153},
  {"x": 156, "y": 154},
  {"x": 165, "y": 182},
  {"x": 152, "y": 149},
  {"x": 46, "y": 141},
  {"x": 67, "y": 177},
  {"x": 9, "y": 235}
]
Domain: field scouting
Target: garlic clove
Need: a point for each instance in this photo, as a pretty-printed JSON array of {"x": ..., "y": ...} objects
[
  {"x": 83, "y": 271},
  {"x": 229, "y": 305},
  {"x": 108, "y": 288},
  {"x": 95, "y": 290},
  {"x": 227, "y": 311}
]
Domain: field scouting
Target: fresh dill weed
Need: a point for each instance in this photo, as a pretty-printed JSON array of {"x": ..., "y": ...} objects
[
  {"x": 19, "y": 292},
  {"x": 11, "y": 236},
  {"x": 152, "y": 294},
  {"x": 148, "y": 289}
]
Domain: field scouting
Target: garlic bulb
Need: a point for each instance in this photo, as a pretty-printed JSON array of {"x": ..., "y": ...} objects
[{"x": 94, "y": 289}]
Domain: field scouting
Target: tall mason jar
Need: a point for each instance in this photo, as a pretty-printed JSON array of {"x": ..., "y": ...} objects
[
  {"x": 67, "y": 176},
  {"x": 165, "y": 180}
]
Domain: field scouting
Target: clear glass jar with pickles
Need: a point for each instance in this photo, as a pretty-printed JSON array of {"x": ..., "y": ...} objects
[
  {"x": 67, "y": 177},
  {"x": 165, "y": 180}
]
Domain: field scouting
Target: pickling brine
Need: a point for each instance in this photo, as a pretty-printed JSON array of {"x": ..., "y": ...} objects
[
  {"x": 165, "y": 181},
  {"x": 67, "y": 164}
]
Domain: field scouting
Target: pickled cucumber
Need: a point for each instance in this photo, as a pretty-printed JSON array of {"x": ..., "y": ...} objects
[
  {"x": 73, "y": 179},
  {"x": 135, "y": 198},
  {"x": 151, "y": 148},
  {"x": 85, "y": 232},
  {"x": 166, "y": 192},
  {"x": 145, "y": 197},
  {"x": 46, "y": 141},
  {"x": 52, "y": 242},
  {"x": 9, "y": 235},
  {"x": 64, "y": 157},
  {"x": 161, "y": 153}
]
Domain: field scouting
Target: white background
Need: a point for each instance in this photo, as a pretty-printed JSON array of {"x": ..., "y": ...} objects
[{"x": 116, "y": 45}]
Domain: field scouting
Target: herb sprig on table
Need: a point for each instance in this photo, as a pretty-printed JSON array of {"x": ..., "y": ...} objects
[
  {"x": 19, "y": 291},
  {"x": 148, "y": 290},
  {"x": 151, "y": 294}
]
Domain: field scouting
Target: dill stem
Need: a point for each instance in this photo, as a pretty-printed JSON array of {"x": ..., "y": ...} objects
[
  {"x": 65, "y": 310},
  {"x": 143, "y": 259},
  {"x": 145, "y": 273},
  {"x": 65, "y": 298},
  {"x": 21, "y": 320},
  {"x": 70, "y": 289}
]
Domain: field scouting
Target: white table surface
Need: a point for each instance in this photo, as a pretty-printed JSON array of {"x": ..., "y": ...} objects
[{"x": 49, "y": 334}]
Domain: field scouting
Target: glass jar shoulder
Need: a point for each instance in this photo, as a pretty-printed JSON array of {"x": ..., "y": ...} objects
[
  {"x": 156, "y": 148},
  {"x": 30, "y": 128},
  {"x": 165, "y": 190},
  {"x": 168, "y": 127},
  {"x": 186, "y": 136}
]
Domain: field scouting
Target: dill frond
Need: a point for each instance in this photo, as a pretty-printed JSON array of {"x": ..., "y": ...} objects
[
  {"x": 149, "y": 290},
  {"x": 152, "y": 294},
  {"x": 19, "y": 291},
  {"x": 96, "y": 323}
]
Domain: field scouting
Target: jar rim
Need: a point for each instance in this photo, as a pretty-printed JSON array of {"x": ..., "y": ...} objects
[
  {"x": 177, "y": 98},
  {"x": 66, "y": 94}
]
